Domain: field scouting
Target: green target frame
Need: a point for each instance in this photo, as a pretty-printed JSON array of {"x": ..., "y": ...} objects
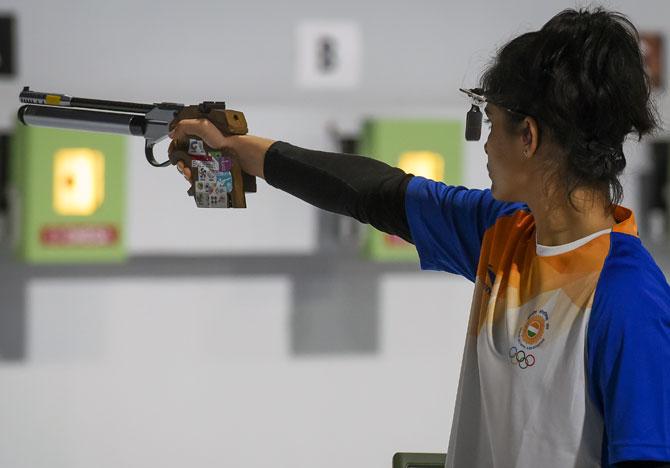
[{"x": 45, "y": 229}]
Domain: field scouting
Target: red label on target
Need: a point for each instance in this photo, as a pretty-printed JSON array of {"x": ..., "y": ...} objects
[{"x": 79, "y": 236}]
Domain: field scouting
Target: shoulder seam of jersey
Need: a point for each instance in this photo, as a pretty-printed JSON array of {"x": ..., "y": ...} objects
[{"x": 523, "y": 208}]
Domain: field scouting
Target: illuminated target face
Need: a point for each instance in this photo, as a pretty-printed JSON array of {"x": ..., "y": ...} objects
[
  {"x": 422, "y": 163},
  {"x": 78, "y": 181}
]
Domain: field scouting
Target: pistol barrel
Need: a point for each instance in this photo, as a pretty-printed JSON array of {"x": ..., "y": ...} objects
[
  {"x": 81, "y": 119},
  {"x": 61, "y": 100}
]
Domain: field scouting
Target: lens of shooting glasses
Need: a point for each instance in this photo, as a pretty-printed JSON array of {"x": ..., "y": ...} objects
[{"x": 473, "y": 124}]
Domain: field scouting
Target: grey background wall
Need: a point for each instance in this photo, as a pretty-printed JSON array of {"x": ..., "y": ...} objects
[{"x": 175, "y": 360}]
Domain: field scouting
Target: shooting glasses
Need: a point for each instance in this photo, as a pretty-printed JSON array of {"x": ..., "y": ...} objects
[{"x": 473, "y": 119}]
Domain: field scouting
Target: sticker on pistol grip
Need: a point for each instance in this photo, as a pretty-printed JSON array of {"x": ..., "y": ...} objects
[
  {"x": 225, "y": 180},
  {"x": 212, "y": 179},
  {"x": 202, "y": 200},
  {"x": 226, "y": 164},
  {"x": 196, "y": 147}
]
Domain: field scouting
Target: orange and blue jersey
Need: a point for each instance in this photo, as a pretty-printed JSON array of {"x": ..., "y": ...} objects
[{"x": 567, "y": 354}]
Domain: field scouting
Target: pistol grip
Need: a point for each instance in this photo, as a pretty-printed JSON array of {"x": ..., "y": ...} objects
[
  {"x": 232, "y": 122},
  {"x": 227, "y": 121},
  {"x": 249, "y": 182},
  {"x": 216, "y": 177}
]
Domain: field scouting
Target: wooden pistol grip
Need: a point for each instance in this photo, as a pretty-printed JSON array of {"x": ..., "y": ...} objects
[{"x": 228, "y": 122}]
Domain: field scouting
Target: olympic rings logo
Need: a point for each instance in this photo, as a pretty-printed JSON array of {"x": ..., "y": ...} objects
[{"x": 521, "y": 358}]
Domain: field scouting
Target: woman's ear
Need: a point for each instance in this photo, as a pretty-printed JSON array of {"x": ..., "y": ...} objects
[{"x": 530, "y": 136}]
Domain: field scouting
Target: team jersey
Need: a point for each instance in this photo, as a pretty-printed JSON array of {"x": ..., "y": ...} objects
[{"x": 567, "y": 354}]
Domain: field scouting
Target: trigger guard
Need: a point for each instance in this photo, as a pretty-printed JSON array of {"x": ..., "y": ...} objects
[{"x": 149, "y": 154}]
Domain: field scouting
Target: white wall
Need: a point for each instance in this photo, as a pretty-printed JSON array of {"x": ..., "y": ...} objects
[
  {"x": 171, "y": 372},
  {"x": 147, "y": 373}
]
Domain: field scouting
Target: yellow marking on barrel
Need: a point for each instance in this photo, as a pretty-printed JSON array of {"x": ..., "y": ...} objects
[{"x": 53, "y": 99}]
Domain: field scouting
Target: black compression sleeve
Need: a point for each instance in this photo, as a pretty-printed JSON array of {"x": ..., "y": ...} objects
[{"x": 366, "y": 189}]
